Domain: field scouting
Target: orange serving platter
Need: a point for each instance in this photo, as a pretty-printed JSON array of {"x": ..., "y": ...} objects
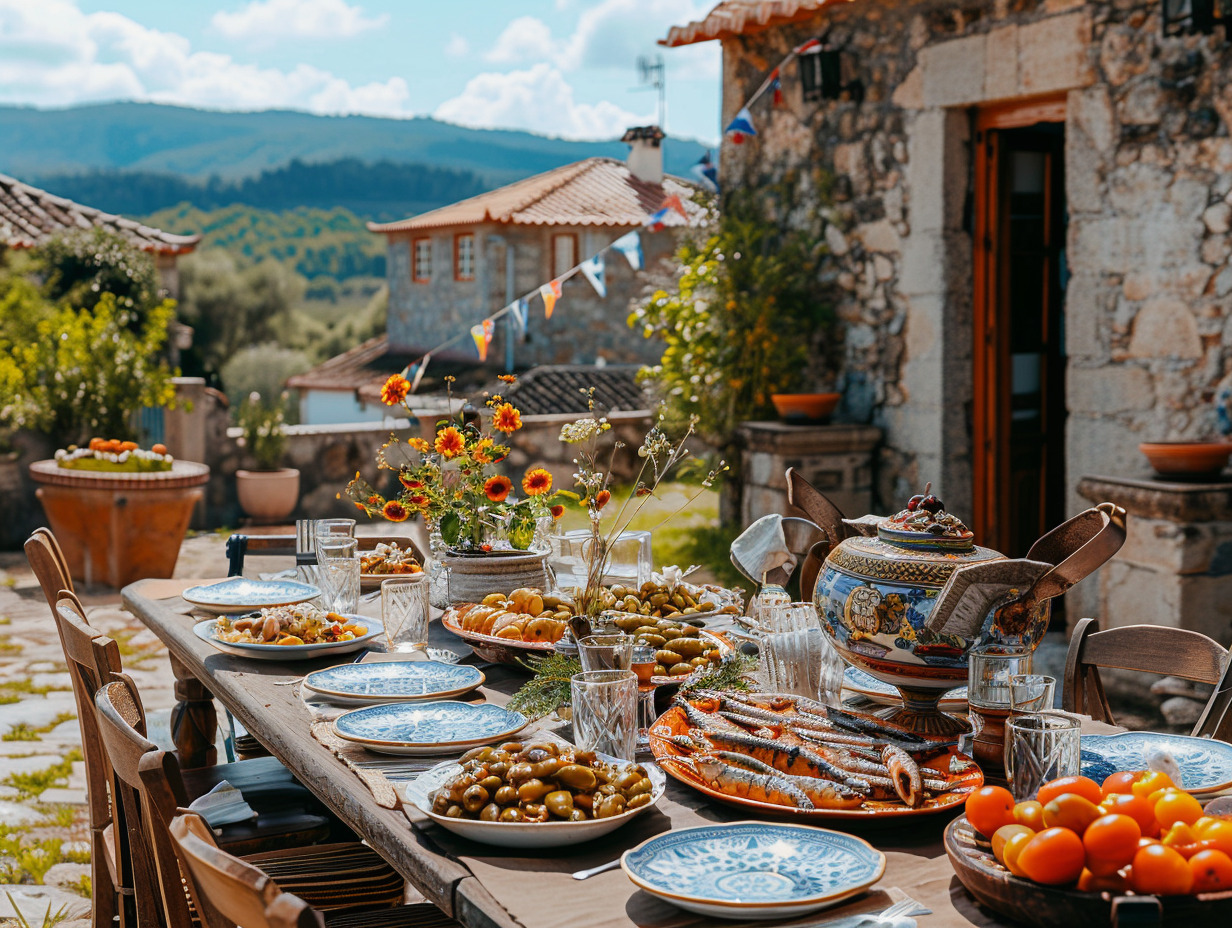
[{"x": 672, "y": 759}]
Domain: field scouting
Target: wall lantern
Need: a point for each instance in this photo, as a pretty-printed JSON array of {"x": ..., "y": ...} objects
[
  {"x": 1183, "y": 17},
  {"x": 821, "y": 74}
]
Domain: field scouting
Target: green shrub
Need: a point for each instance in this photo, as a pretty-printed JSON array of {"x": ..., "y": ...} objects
[
  {"x": 78, "y": 267},
  {"x": 265, "y": 436}
]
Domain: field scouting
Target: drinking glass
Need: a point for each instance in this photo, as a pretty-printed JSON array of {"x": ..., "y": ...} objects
[
  {"x": 1039, "y": 748},
  {"x": 404, "y": 612},
  {"x": 989, "y": 668},
  {"x": 328, "y": 527},
  {"x": 338, "y": 573},
  {"x": 629, "y": 559},
  {"x": 643, "y": 668},
  {"x": 606, "y": 652},
  {"x": 604, "y": 705},
  {"x": 796, "y": 657},
  {"x": 1031, "y": 693}
]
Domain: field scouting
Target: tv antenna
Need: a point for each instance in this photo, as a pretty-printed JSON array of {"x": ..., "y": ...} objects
[{"x": 653, "y": 75}]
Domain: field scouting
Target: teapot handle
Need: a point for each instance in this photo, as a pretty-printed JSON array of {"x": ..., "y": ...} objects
[
  {"x": 1077, "y": 548},
  {"x": 806, "y": 497}
]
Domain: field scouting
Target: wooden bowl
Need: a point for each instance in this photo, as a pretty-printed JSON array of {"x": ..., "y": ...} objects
[
  {"x": 805, "y": 408},
  {"x": 1187, "y": 459}
]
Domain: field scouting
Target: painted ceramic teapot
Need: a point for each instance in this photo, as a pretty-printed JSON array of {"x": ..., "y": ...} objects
[{"x": 905, "y": 597}]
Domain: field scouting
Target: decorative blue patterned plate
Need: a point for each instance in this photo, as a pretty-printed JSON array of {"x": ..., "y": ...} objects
[
  {"x": 392, "y": 681},
  {"x": 1206, "y": 764},
  {"x": 239, "y": 594},
  {"x": 868, "y": 686},
  {"x": 753, "y": 869},
  {"x": 428, "y": 728}
]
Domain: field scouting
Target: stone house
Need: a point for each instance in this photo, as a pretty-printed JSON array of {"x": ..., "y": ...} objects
[
  {"x": 450, "y": 268},
  {"x": 1029, "y": 212}
]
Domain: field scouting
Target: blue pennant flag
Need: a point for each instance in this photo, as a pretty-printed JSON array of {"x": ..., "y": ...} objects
[
  {"x": 655, "y": 221},
  {"x": 741, "y": 126},
  {"x": 595, "y": 272},
  {"x": 630, "y": 245},
  {"x": 706, "y": 173}
]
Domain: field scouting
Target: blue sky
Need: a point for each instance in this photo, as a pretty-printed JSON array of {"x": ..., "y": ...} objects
[{"x": 558, "y": 67}]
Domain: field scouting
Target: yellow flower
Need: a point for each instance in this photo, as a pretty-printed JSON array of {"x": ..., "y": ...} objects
[
  {"x": 481, "y": 451},
  {"x": 419, "y": 444},
  {"x": 395, "y": 390},
  {"x": 505, "y": 418},
  {"x": 449, "y": 442},
  {"x": 537, "y": 482}
]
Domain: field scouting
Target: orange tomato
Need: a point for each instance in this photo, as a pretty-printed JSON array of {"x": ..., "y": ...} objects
[
  {"x": 159, "y": 448},
  {"x": 1212, "y": 872},
  {"x": 1176, "y": 806},
  {"x": 1031, "y": 814},
  {"x": 1070, "y": 811},
  {"x": 1087, "y": 788},
  {"x": 1182, "y": 839},
  {"x": 1136, "y": 808},
  {"x": 1217, "y": 833},
  {"x": 1111, "y": 841},
  {"x": 1113, "y": 882},
  {"x": 1159, "y": 870},
  {"x": 1147, "y": 842},
  {"x": 1151, "y": 782},
  {"x": 96, "y": 444},
  {"x": 1013, "y": 850},
  {"x": 1002, "y": 837},
  {"x": 128, "y": 446},
  {"x": 990, "y": 807},
  {"x": 1121, "y": 782},
  {"x": 1055, "y": 856}
]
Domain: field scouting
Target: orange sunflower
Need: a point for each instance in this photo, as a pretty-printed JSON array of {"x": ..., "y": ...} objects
[
  {"x": 558, "y": 511},
  {"x": 449, "y": 442},
  {"x": 537, "y": 482},
  {"x": 497, "y": 488},
  {"x": 481, "y": 452},
  {"x": 394, "y": 511},
  {"x": 505, "y": 418},
  {"x": 395, "y": 390},
  {"x": 410, "y": 482}
]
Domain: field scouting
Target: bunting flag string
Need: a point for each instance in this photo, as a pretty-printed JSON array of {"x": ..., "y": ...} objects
[
  {"x": 594, "y": 270},
  {"x": 482, "y": 334},
  {"x": 742, "y": 125},
  {"x": 630, "y": 245},
  {"x": 420, "y": 367},
  {"x": 520, "y": 313},
  {"x": 550, "y": 293},
  {"x": 706, "y": 173}
]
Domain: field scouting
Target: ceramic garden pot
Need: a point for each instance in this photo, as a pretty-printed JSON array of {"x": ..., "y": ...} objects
[
  {"x": 469, "y": 578},
  {"x": 268, "y": 495}
]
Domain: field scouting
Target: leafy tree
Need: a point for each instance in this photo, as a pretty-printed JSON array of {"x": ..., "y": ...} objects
[
  {"x": 262, "y": 369},
  {"x": 78, "y": 267}
]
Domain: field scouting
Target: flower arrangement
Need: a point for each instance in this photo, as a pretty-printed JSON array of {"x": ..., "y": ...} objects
[{"x": 449, "y": 480}]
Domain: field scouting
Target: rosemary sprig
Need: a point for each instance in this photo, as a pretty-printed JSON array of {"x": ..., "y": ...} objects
[
  {"x": 728, "y": 674},
  {"x": 549, "y": 689}
]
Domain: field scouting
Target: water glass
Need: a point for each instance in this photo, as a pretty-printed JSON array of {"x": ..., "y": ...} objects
[
  {"x": 338, "y": 573},
  {"x": 796, "y": 656},
  {"x": 327, "y": 527},
  {"x": 604, "y": 706},
  {"x": 405, "y": 612},
  {"x": 606, "y": 652},
  {"x": 629, "y": 560},
  {"x": 989, "y": 668},
  {"x": 1031, "y": 693},
  {"x": 643, "y": 668},
  {"x": 1039, "y": 748}
]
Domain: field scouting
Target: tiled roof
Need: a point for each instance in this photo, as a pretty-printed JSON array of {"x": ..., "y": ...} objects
[
  {"x": 366, "y": 367},
  {"x": 593, "y": 192},
  {"x": 28, "y": 216},
  {"x": 556, "y": 389},
  {"x": 741, "y": 17}
]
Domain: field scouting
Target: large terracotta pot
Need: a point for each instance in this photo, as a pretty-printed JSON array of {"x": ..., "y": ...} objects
[{"x": 268, "y": 495}]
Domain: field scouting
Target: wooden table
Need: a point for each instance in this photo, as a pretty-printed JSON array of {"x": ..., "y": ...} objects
[{"x": 277, "y": 717}]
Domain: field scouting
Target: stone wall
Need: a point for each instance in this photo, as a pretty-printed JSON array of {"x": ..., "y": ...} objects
[{"x": 1149, "y": 181}]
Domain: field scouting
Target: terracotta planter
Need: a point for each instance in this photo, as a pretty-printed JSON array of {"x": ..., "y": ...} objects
[
  {"x": 805, "y": 408},
  {"x": 119, "y": 528},
  {"x": 267, "y": 495},
  {"x": 1187, "y": 460}
]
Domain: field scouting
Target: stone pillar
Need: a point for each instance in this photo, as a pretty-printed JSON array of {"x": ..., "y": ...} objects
[
  {"x": 1176, "y": 566},
  {"x": 837, "y": 459}
]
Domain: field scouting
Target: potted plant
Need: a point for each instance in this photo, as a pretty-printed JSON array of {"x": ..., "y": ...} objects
[{"x": 270, "y": 492}]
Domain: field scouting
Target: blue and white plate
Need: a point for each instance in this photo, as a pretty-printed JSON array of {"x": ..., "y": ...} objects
[
  {"x": 1206, "y": 764},
  {"x": 207, "y": 630},
  {"x": 868, "y": 686},
  {"x": 753, "y": 869},
  {"x": 239, "y": 594},
  {"x": 392, "y": 681},
  {"x": 428, "y": 728}
]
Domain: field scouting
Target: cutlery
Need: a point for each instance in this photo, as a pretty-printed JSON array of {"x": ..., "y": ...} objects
[{"x": 587, "y": 874}]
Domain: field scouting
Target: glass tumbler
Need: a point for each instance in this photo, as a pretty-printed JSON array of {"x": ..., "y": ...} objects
[
  {"x": 338, "y": 573},
  {"x": 606, "y": 652},
  {"x": 1039, "y": 748},
  {"x": 643, "y": 668},
  {"x": 795, "y": 655},
  {"x": 989, "y": 668},
  {"x": 327, "y": 527},
  {"x": 1031, "y": 693},
  {"x": 405, "y": 612},
  {"x": 604, "y": 705}
]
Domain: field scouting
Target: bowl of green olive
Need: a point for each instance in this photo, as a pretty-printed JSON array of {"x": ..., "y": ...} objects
[{"x": 532, "y": 795}]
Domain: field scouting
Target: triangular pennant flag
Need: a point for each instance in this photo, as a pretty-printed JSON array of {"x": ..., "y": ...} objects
[
  {"x": 596, "y": 272},
  {"x": 741, "y": 126},
  {"x": 807, "y": 46},
  {"x": 673, "y": 202},
  {"x": 776, "y": 85},
  {"x": 420, "y": 366},
  {"x": 550, "y": 293},
  {"x": 707, "y": 173},
  {"x": 630, "y": 245},
  {"x": 655, "y": 222},
  {"x": 520, "y": 312},
  {"x": 482, "y": 334}
]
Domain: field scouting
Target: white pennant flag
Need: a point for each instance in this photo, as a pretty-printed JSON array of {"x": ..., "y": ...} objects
[
  {"x": 630, "y": 245},
  {"x": 520, "y": 311},
  {"x": 595, "y": 272}
]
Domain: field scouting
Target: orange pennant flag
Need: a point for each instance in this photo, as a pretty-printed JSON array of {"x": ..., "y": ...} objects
[
  {"x": 482, "y": 334},
  {"x": 550, "y": 293},
  {"x": 673, "y": 202}
]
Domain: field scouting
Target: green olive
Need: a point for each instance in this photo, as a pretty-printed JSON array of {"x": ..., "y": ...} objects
[
  {"x": 641, "y": 786},
  {"x": 627, "y": 778},
  {"x": 609, "y": 806},
  {"x": 475, "y": 798},
  {"x": 576, "y": 777},
  {"x": 641, "y": 799},
  {"x": 532, "y": 790},
  {"x": 440, "y": 802},
  {"x": 499, "y": 769},
  {"x": 519, "y": 772},
  {"x": 490, "y": 813},
  {"x": 506, "y": 796},
  {"x": 578, "y": 815},
  {"x": 511, "y": 747},
  {"x": 512, "y": 814},
  {"x": 454, "y": 811},
  {"x": 491, "y": 784},
  {"x": 559, "y": 802},
  {"x": 546, "y": 769}
]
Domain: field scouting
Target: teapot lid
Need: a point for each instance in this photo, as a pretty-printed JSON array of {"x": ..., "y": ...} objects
[{"x": 924, "y": 525}]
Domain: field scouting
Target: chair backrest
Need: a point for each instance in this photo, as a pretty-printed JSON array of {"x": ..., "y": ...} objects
[
  {"x": 49, "y": 565},
  {"x": 148, "y": 783},
  {"x": 239, "y": 546},
  {"x": 1159, "y": 649},
  {"x": 228, "y": 891}
]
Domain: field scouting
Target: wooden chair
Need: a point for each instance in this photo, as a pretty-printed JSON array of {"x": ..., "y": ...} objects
[
  {"x": 239, "y": 546},
  {"x": 1175, "y": 652},
  {"x": 230, "y": 892},
  {"x": 49, "y": 565},
  {"x": 150, "y": 788}
]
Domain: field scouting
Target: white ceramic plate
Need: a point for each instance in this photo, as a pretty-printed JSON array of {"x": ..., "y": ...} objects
[
  {"x": 207, "y": 631},
  {"x": 525, "y": 834},
  {"x": 392, "y": 681},
  {"x": 239, "y": 594},
  {"x": 428, "y": 727}
]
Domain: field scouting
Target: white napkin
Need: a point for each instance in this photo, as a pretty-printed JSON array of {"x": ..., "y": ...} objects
[
  {"x": 762, "y": 547},
  {"x": 223, "y": 805}
]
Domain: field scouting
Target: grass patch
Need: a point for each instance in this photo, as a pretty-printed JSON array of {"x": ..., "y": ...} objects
[
  {"x": 16, "y": 690},
  {"x": 59, "y": 817},
  {"x": 124, "y": 641},
  {"x": 8, "y": 646},
  {"x": 26, "y": 859},
  {"x": 23, "y": 732},
  {"x": 34, "y": 784},
  {"x": 81, "y": 886}
]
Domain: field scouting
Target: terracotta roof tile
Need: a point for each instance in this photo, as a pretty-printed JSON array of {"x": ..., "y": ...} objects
[
  {"x": 741, "y": 17},
  {"x": 593, "y": 192},
  {"x": 29, "y": 216}
]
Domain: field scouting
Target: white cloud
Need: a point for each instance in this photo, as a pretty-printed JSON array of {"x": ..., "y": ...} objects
[
  {"x": 265, "y": 21},
  {"x": 538, "y": 99},
  {"x": 457, "y": 46},
  {"x": 524, "y": 39},
  {"x": 52, "y": 54}
]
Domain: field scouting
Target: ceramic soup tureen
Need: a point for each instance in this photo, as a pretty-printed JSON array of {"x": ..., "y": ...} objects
[{"x": 905, "y": 597}]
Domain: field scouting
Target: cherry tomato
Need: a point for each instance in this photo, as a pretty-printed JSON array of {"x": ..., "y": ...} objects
[
  {"x": 1111, "y": 841},
  {"x": 1002, "y": 837},
  {"x": 1113, "y": 882},
  {"x": 1217, "y": 833},
  {"x": 1159, "y": 870},
  {"x": 1212, "y": 872},
  {"x": 1031, "y": 814},
  {"x": 1080, "y": 786},
  {"x": 990, "y": 807},
  {"x": 1121, "y": 782},
  {"x": 1175, "y": 806},
  {"x": 1070, "y": 811},
  {"x": 1136, "y": 808},
  {"x": 1013, "y": 850},
  {"x": 1055, "y": 856},
  {"x": 1182, "y": 839},
  {"x": 1151, "y": 782}
]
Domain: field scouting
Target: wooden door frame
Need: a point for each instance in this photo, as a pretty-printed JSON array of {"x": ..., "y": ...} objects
[{"x": 991, "y": 380}]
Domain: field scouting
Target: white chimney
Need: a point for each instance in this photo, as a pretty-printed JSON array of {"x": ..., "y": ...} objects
[{"x": 645, "y": 153}]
